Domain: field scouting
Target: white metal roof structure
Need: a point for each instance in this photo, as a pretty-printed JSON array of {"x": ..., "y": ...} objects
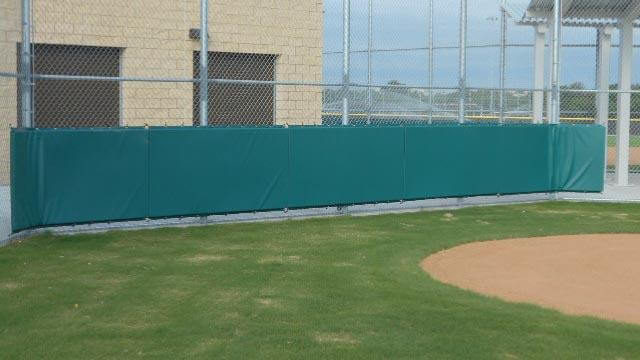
[
  {"x": 585, "y": 13},
  {"x": 606, "y": 16}
]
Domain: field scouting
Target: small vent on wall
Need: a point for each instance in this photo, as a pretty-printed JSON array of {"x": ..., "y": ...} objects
[{"x": 194, "y": 34}]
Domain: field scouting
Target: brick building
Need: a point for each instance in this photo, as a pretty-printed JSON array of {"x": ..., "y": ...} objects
[{"x": 249, "y": 39}]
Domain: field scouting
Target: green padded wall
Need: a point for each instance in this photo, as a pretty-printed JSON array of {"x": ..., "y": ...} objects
[
  {"x": 26, "y": 192},
  {"x": 451, "y": 161},
  {"x": 91, "y": 175},
  {"x": 525, "y": 159},
  {"x": 197, "y": 171},
  {"x": 345, "y": 165},
  {"x": 80, "y": 176},
  {"x": 578, "y": 153}
]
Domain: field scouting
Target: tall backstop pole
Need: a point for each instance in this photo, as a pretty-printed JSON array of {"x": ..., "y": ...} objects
[
  {"x": 430, "y": 61},
  {"x": 555, "y": 67},
  {"x": 26, "y": 85},
  {"x": 462, "y": 60},
  {"x": 346, "y": 50},
  {"x": 204, "y": 62},
  {"x": 369, "y": 68},
  {"x": 503, "y": 60}
]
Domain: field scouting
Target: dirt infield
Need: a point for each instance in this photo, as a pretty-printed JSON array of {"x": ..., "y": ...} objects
[
  {"x": 634, "y": 156},
  {"x": 596, "y": 275}
]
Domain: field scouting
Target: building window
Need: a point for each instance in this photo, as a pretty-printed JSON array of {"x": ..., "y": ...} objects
[
  {"x": 75, "y": 103},
  {"x": 237, "y": 104}
]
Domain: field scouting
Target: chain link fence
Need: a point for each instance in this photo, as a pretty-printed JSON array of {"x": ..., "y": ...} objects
[
  {"x": 10, "y": 18},
  {"x": 105, "y": 63}
]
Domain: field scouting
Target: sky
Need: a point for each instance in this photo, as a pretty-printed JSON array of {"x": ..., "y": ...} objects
[{"x": 404, "y": 24}]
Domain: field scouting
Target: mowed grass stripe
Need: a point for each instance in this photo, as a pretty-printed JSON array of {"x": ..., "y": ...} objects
[
  {"x": 345, "y": 287},
  {"x": 634, "y": 140}
]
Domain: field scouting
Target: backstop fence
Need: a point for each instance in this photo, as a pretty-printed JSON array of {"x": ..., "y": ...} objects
[{"x": 78, "y": 64}]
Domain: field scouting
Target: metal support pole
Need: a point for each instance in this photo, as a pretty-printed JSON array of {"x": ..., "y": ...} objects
[
  {"x": 548, "y": 65},
  {"x": 346, "y": 49},
  {"x": 555, "y": 67},
  {"x": 625, "y": 74},
  {"x": 462, "y": 60},
  {"x": 430, "y": 61},
  {"x": 603, "y": 62},
  {"x": 26, "y": 89},
  {"x": 369, "y": 77},
  {"x": 503, "y": 60},
  {"x": 204, "y": 62},
  {"x": 540, "y": 32}
]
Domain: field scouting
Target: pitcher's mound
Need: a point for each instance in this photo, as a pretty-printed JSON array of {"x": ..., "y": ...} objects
[{"x": 597, "y": 275}]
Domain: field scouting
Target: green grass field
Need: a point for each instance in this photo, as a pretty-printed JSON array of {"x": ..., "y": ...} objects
[
  {"x": 634, "y": 140},
  {"x": 345, "y": 287}
]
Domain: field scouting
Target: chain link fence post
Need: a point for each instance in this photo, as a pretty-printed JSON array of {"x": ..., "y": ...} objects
[
  {"x": 346, "y": 44},
  {"x": 430, "y": 61},
  {"x": 462, "y": 60},
  {"x": 555, "y": 66},
  {"x": 26, "y": 86},
  {"x": 369, "y": 65},
  {"x": 503, "y": 60},
  {"x": 204, "y": 62}
]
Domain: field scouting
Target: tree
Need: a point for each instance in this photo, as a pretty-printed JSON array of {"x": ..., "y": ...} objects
[{"x": 393, "y": 87}]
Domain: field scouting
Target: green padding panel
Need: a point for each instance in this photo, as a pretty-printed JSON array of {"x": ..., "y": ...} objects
[
  {"x": 450, "y": 161},
  {"x": 211, "y": 170},
  {"x": 25, "y": 179},
  {"x": 91, "y": 175},
  {"x": 578, "y": 158},
  {"x": 525, "y": 159},
  {"x": 345, "y": 165},
  {"x": 84, "y": 176}
]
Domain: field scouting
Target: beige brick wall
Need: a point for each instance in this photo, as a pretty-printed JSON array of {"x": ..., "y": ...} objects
[
  {"x": 155, "y": 38},
  {"x": 9, "y": 37}
]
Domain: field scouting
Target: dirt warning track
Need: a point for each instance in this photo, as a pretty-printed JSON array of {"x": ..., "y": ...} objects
[{"x": 596, "y": 275}]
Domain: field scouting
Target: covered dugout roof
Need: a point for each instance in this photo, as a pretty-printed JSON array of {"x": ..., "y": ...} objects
[
  {"x": 622, "y": 14},
  {"x": 587, "y": 13}
]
